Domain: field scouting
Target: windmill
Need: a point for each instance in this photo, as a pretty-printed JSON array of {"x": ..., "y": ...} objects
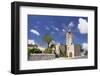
[{"x": 72, "y": 50}]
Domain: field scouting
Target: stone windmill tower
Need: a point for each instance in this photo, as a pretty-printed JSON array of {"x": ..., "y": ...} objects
[{"x": 70, "y": 52}]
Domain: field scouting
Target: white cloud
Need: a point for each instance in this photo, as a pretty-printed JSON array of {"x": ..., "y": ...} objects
[
  {"x": 71, "y": 24},
  {"x": 31, "y": 42},
  {"x": 85, "y": 46},
  {"x": 47, "y": 28},
  {"x": 63, "y": 30},
  {"x": 35, "y": 32},
  {"x": 83, "y": 26},
  {"x": 56, "y": 29}
]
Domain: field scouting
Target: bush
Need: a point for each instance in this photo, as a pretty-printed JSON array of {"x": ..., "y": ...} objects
[
  {"x": 34, "y": 50},
  {"x": 48, "y": 50}
]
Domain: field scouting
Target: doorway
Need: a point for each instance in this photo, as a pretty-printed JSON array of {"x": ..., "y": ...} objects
[{"x": 70, "y": 54}]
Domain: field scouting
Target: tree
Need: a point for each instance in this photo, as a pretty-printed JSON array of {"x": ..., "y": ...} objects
[
  {"x": 48, "y": 38},
  {"x": 34, "y": 50}
]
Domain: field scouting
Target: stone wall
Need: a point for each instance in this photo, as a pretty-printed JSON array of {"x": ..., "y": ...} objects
[
  {"x": 77, "y": 50},
  {"x": 41, "y": 57}
]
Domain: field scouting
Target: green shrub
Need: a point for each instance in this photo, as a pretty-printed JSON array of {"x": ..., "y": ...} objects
[
  {"x": 34, "y": 50},
  {"x": 48, "y": 50}
]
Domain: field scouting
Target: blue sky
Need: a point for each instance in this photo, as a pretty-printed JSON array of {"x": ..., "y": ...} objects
[{"x": 57, "y": 26}]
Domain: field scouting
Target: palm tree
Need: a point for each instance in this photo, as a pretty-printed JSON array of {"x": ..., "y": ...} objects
[{"x": 48, "y": 38}]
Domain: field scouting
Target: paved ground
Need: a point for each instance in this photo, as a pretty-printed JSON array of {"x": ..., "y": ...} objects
[
  {"x": 64, "y": 58},
  {"x": 33, "y": 57}
]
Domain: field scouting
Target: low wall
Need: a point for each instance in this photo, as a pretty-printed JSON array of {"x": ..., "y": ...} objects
[{"x": 41, "y": 56}]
